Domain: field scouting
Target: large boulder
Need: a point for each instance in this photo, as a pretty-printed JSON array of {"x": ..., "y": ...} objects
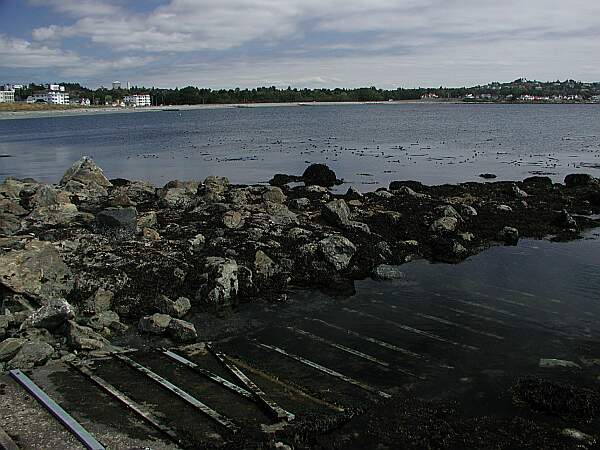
[
  {"x": 84, "y": 338},
  {"x": 86, "y": 179},
  {"x": 30, "y": 355},
  {"x": 320, "y": 175},
  {"x": 52, "y": 206},
  {"x": 35, "y": 271},
  {"x": 221, "y": 285},
  {"x": 117, "y": 218},
  {"x": 337, "y": 213},
  {"x": 337, "y": 250},
  {"x": 274, "y": 195},
  {"x": 155, "y": 324},
  {"x": 50, "y": 316},
  {"x": 181, "y": 331},
  {"x": 175, "y": 308},
  {"x": 509, "y": 235},
  {"x": 580, "y": 179}
]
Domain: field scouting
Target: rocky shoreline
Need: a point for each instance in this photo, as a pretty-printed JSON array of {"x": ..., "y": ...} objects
[{"x": 87, "y": 259}]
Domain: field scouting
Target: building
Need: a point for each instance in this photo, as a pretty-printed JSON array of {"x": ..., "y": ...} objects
[
  {"x": 137, "y": 100},
  {"x": 7, "y": 95},
  {"x": 116, "y": 85},
  {"x": 55, "y": 95}
]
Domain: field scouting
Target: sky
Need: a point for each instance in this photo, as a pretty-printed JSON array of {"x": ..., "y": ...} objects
[{"x": 298, "y": 43}]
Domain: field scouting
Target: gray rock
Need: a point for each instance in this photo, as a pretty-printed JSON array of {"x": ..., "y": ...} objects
[
  {"x": 9, "y": 224},
  {"x": 280, "y": 214},
  {"x": 107, "y": 320},
  {"x": 444, "y": 225},
  {"x": 101, "y": 301},
  {"x": 383, "y": 194},
  {"x": 337, "y": 213},
  {"x": 298, "y": 234},
  {"x": 181, "y": 331},
  {"x": 30, "y": 355},
  {"x": 447, "y": 211},
  {"x": 178, "y": 198},
  {"x": 504, "y": 208},
  {"x": 216, "y": 185},
  {"x": 353, "y": 193},
  {"x": 124, "y": 218},
  {"x": 50, "y": 316},
  {"x": 517, "y": 192},
  {"x": 233, "y": 220},
  {"x": 468, "y": 210},
  {"x": 155, "y": 324},
  {"x": 35, "y": 271},
  {"x": 577, "y": 435},
  {"x": 274, "y": 194},
  {"x": 264, "y": 266},
  {"x": 10, "y": 347},
  {"x": 509, "y": 235},
  {"x": 177, "y": 308},
  {"x": 388, "y": 272},
  {"x": 11, "y": 207},
  {"x": 5, "y": 322},
  {"x": 405, "y": 190},
  {"x": 147, "y": 220},
  {"x": 84, "y": 338},
  {"x": 550, "y": 363},
  {"x": 85, "y": 175},
  {"x": 337, "y": 250},
  {"x": 197, "y": 242},
  {"x": 222, "y": 284},
  {"x": 300, "y": 203}
]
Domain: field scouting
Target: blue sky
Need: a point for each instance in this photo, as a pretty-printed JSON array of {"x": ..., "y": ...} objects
[{"x": 302, "y": 43}]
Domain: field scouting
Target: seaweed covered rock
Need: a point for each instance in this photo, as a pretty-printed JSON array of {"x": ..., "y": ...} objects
[{"x": 319, "y": 174}]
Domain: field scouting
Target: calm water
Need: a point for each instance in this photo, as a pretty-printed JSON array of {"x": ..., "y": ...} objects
[{"x": 368, "y": 145}]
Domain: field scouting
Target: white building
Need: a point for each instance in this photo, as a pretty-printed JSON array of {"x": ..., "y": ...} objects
[
  {"x": 7, "y": 96},
  {"x": 137, "y": 100},
  {"x": 55, "y": 95}
]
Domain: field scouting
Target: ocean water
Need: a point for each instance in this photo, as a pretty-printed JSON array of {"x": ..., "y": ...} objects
[{"x": 367, "y": 145}]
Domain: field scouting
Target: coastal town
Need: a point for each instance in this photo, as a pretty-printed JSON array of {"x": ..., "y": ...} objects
[{"x": 127, "y": 96}]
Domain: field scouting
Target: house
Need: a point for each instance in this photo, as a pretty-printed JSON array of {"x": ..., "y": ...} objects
[
  {"x": 55, "y": 95},
  {"x": 7, "y": 95},
  {"x": 137, "y": 100}
]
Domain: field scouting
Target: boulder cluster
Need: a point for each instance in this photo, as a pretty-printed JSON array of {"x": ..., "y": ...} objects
[{"x": 89, "y": 260}]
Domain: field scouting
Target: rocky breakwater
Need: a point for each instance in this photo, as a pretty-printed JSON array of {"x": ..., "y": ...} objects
[{"x": 90, "y": 260}]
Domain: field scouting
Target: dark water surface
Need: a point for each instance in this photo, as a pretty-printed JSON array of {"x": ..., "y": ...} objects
[{"x": 368, "y": 145}]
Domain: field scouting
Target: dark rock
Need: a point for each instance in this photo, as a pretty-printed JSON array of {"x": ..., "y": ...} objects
[
  {"x": 579, "y": 180},
  {"x": 337, "y": 250},
  {"x": 84, "y": 338},
  {"x": 175, "y": 308},
  {"x": 10, "y": 347},
  {"x": 353, "y": 194},
  {"x": 509, "y": 235},
  {"x": 320, "y": 175},
  {"x": 538, "y": 181},
  {"x": 30, "y": 355},
  {"x": 181, "y": 331},
  {"x": 566, "y": 221},
  {"x": 487, "y": 176},
  {"x": 124, "y": 218},
  {"x": 280, "y": 179},
  {"x": 9, "y": 224}
]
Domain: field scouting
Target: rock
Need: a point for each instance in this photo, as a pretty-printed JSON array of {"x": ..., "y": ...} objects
[
  {"x": 9, "y": 224},
  {"x": 5, "y": 322},
  {"x": 566, "y": 221},
  {"x": 117, "y": 218},
  {"x": 280, "y": 214},
  {"x": 467, "y": 237},
  {"x": 233, "y": 220},
  {"x": 101, "y": 301},
  {"x": 509, "y": 235},
  {"x": 30, "y": 355},
  {"x": 578, "y": 436},
  {"x": 337, "y": 250},
  {"x": 121, "y": 200},
  {"x": 444, "y": 225},
  {"x": 580, "y": 179},
  {"x": 177, "y": 308},
  {"x": 336, "y": 212},
  {"x": 353, "y": 194},
  {"x": 447, "y": 211},
  {"x": 549, "y": 363},
  {"x": 221, "y": 287},
  {"x": 405, "y": 190},
  {"x": 538, "y": 181},
  {"x": 281, "y": 179},
  {"x": 180, "y": 198},
  {"x": 10, "y": 347},
  {"x": 85, "y": 178},
  {"x": 150, "y": 234},
  {"x": 518, "y": 192},
  {"x": 216, "y": 185},
  {"x": 504, "y": 208},
  {"x": 35, "y": 271},
  {"x": 300, "y": 203},
  {"x": 181, "y": 331},
  {"x": 383, "y": 194},
  {"x": 468, "y": 210},
  {"x": 84, "y": 338},
  {"x": 487, "y": 176},
  {"x": 155, "y": 324},
  {"x": 11, "y": 207},
  {"x": 320, "y": 175},
  {"x": 147, "y": 220},
  {"x": 264, "y": 267},
  {"x": 387, "y": 272},
  {"x": 50, "y": 316},
  {"x": 274, "y": 195},
  {"x": 198, "y": 242},
  {"x": 107, "y": 320}
]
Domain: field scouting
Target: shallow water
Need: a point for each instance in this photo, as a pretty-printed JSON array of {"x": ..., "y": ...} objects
[{"x": 367, "y": 145}]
